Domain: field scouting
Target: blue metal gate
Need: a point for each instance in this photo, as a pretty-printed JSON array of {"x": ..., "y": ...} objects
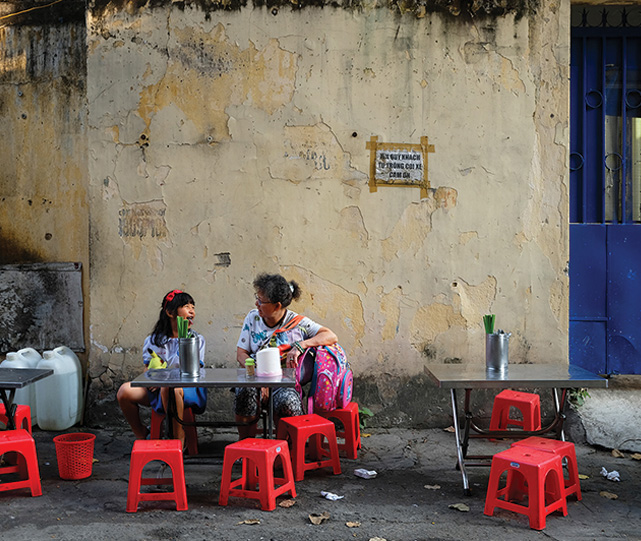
[{"x": 605, "y": 189}]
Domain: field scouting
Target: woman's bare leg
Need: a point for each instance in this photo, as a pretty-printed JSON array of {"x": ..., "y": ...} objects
[{"x": 246, "y": 431}]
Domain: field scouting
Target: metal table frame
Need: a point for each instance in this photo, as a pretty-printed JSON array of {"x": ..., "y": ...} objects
[
  {"x": 17, "y": 378},
  {"x": 558, "y": 378},
  {"x": 214, "y": 378}
]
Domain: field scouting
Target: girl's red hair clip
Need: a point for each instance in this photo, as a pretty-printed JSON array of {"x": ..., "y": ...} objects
[{"x": 170, "y": 296}]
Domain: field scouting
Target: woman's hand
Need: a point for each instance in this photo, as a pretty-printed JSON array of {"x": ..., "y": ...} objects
[
  {"x": 241, "y": 356},
  {"x": 292, "y": 358}
]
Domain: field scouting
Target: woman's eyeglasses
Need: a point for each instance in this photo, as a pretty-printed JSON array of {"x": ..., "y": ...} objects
[{"x": 261, "y": 302}]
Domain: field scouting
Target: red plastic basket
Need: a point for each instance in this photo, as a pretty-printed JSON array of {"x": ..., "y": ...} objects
[{"x": 75, "y": 454}]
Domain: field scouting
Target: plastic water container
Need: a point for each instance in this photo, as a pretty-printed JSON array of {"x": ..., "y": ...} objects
[
  {"x": 25, "y": 358},
  {"x": 59, "y": 397}
]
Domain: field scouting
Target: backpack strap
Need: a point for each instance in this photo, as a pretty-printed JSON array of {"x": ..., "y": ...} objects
[{"x": 291, "y": 324}]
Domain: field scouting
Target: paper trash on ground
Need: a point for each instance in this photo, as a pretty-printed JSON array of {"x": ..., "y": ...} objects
[
  {"x": 365, "y": 474},
  {"x": 331, "y": 496},
  {"x": 612, "y": 476},
  {"x": 317, "y": 519},
  {"x": 459, "y": 507}
]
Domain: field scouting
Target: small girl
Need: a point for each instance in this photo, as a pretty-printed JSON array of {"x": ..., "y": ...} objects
[{"x": 163, "y": 341}]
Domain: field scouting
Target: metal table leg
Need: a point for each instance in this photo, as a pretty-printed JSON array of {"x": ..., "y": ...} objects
[
  {"x": 459, "y": 448},
  {"x": 7, "y": 396},
  {"x": 559, "y": 405},
  {"x": 270, "y": 414},
  {"x": 171, "y": 412}
]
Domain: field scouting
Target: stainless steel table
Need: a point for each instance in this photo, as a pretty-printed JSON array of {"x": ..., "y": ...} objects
[
  {"x": 16, "y": 378},
  {"x": 519, "y": 376},
  {"x": 213, "y": 378}
]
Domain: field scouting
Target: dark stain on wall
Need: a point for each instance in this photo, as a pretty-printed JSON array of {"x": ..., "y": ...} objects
[
  {"x": 11, "y": 251},
  {"x": 223, "y": 259},
  {"x": 466, "y": 9},
  {"x": 42, "y": 12},
  {"x": 52, "y": 54}
]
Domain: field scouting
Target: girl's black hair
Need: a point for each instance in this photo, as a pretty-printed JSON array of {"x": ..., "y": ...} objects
[
  {"x": 277, "y": 289},
  {"x": 170, "y": 303}
]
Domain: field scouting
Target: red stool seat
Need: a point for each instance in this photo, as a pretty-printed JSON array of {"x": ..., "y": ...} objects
[
  {"x": 351, "y": 432},
  {"x": 20, "y": 443},
  {"x": 538, "y": 475},
  {"x": 298, "y": 430},
  {"x": 191, "y": 434},
  {"x": 566, "y": 451},
  {"x": 258, "y": 460},
  {"x": 145, "y": 451},
  {"x": 22, "y": 417},
  {"x": 528, "y": 404}
]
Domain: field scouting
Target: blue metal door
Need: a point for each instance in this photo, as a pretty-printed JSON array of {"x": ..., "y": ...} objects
[{"x": 605, "y": 189}]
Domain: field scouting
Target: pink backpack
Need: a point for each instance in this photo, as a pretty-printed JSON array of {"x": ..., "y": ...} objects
[{"x": 331, "y": 378}]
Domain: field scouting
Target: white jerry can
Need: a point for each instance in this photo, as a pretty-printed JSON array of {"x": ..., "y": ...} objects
[{"x": 59, "y": 397}]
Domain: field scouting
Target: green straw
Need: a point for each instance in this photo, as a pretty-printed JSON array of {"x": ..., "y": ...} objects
[{"x": 488, "y": 321}]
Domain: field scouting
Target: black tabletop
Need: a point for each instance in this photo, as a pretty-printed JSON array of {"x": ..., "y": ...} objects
[{"x": 16, "y": 378}]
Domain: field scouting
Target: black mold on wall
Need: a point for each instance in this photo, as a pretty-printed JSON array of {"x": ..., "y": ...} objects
[
  {"x": 11, "y": 251},
  {"x": 418, "y": 8},
  {"x": 42, "y": 13}
]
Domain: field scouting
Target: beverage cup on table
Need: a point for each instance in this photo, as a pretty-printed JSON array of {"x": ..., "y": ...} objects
[
  {"x": 189, "y": 357},
  {"x": 496, "y": 352}
]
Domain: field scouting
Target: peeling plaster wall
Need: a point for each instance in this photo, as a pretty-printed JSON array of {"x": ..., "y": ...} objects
[
  {"x": 223, "y": 144},
  {"x": 43, "y": 147}
]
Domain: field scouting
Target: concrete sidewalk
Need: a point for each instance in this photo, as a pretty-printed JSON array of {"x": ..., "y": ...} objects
[{"x": 396, "y": 505}]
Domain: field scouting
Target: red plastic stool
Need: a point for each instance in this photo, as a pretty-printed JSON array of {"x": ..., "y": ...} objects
[
  {"x": 528, "y": 470},
  {"x": 528, "y": 404},
  {"x": 191, "y": 434},
  {"x": 351, "y": 428},
  {"x": 566, "y": 451},
  {"x": 168, "y": 451},
  {"x": 300, "y": 429},
  {"x": 21, "y": 443},
  {"x": 22, "y": 418},
  {"x": 258, "y": 460}
]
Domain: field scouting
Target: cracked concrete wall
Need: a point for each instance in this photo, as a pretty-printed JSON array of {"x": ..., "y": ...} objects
[
  {"x": 44, "y": 213},
  {"x": 224, "y": 144}
]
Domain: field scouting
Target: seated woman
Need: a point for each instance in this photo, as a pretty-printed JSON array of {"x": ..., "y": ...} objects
[
  {"x": 163, "y": 342},
  {"x": 273, "y": 295}
]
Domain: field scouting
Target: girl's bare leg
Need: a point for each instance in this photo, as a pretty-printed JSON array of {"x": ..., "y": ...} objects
[{"x": 129, "y": 399}]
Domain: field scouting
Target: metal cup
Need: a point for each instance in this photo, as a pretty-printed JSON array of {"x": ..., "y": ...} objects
[
  {"x": 189, "y": 357},
  {"x": 496, "y": 352}
]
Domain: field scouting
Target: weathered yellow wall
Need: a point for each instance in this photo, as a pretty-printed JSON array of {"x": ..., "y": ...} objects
[
  {"x": 44, "y": 213},
  {"x": 229, "y": 143}
]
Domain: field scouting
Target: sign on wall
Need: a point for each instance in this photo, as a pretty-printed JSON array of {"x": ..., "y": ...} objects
[{"x": 399, "y": 164}]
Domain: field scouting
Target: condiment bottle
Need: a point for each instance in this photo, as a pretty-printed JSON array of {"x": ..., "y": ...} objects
[{"x": 250, "y": 367}]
